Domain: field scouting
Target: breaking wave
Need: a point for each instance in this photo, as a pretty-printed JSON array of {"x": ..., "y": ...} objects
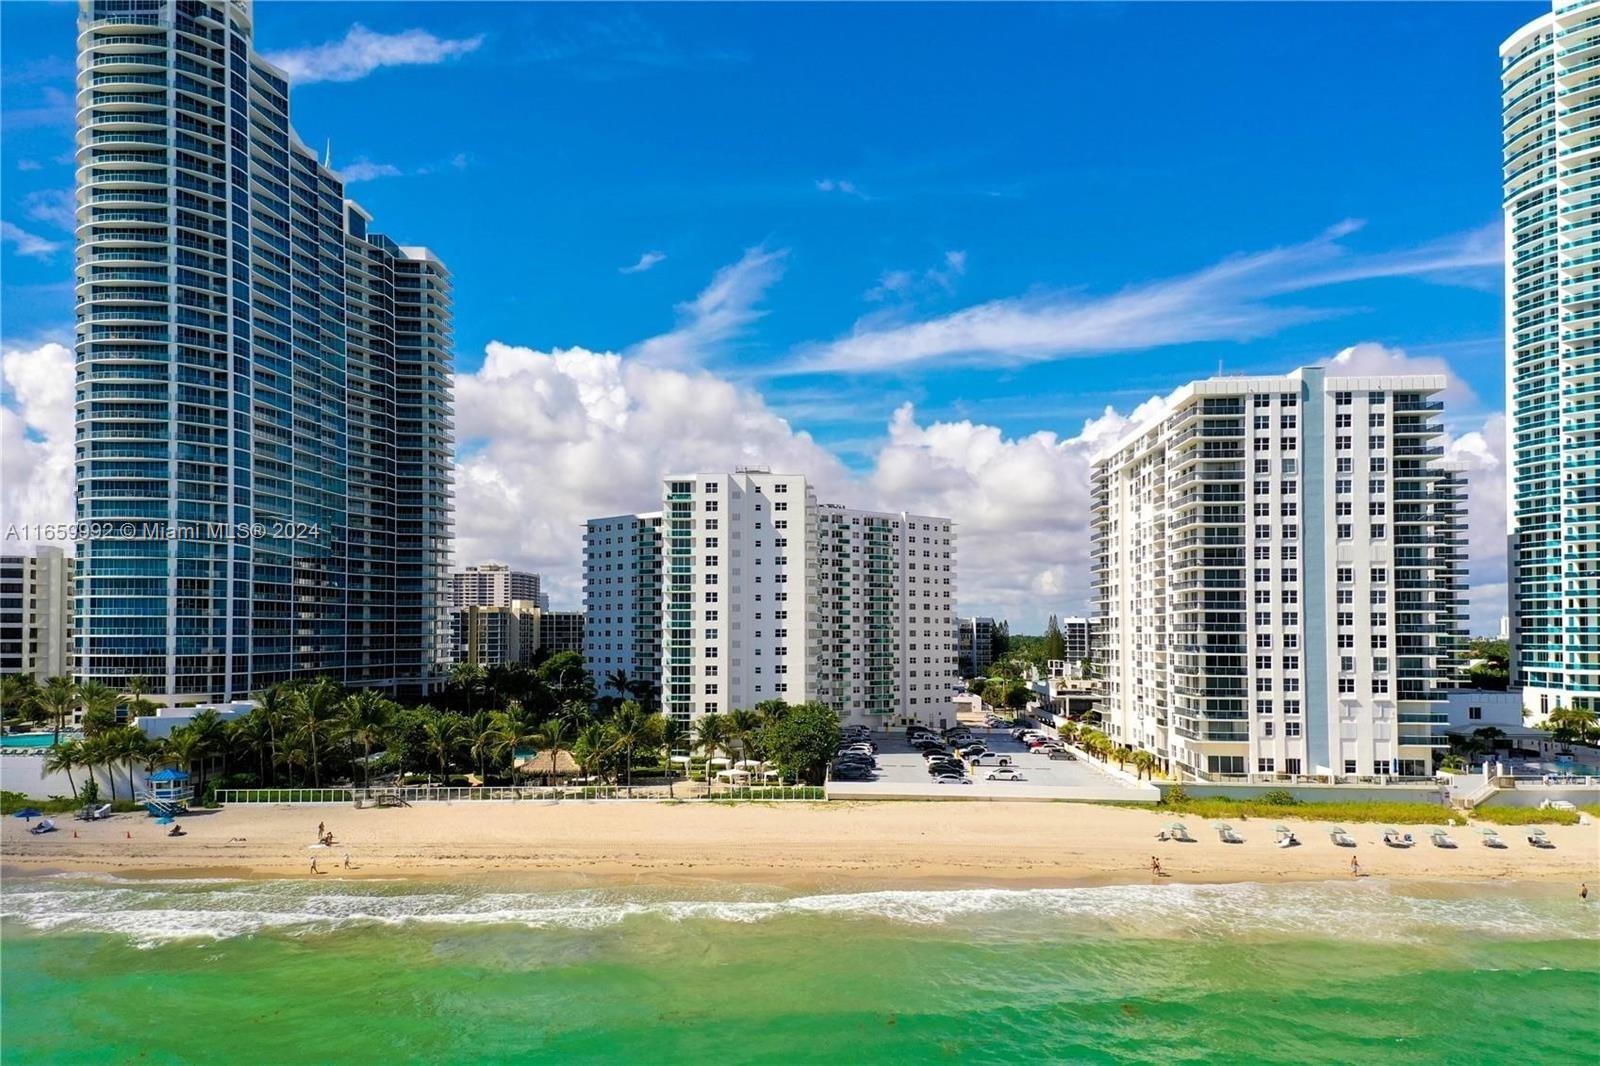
[{"x": 151, "y": 913}]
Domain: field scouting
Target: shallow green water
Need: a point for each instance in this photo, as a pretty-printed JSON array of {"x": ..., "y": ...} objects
[{"x": 97, "y": 970}]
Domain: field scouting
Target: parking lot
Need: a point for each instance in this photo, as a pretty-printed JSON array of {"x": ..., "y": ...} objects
[{"x": 902, "y": 772}]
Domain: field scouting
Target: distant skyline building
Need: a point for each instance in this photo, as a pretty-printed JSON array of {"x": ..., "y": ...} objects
[
  {"x": 974, "y": 645},
  {"x": 264, "y": 382},
  {"x": 493, "y": 585},
  {"x": 1279, "y": 563},
  {"x": 518, "y": 632},
  {"x": 1078, "y": 634},
  {"x": 1550, "y": 93},
  {"x": 764, "y": 593},
  {"x": 36, "y": 613}
]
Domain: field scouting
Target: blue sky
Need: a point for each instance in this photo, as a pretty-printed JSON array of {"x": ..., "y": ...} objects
[{"x": 1015, "y": 216}]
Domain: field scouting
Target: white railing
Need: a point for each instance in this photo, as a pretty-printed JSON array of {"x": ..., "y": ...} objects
[{"x": 413, "y": 794}]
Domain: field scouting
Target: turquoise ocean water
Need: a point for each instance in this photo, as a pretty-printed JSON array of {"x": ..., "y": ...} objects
[{"x": 94, "y": 970}]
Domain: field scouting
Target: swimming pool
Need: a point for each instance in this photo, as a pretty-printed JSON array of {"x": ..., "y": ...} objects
[{"x": 27, "y": 740}]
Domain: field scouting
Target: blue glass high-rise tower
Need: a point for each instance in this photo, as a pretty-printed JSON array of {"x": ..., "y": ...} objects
[{"x": 264, "y": 418}]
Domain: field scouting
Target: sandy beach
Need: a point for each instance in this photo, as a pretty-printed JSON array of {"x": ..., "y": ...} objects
[{"x": 800, "y": 845}]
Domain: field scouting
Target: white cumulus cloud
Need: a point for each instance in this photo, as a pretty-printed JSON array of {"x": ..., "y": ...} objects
[
  {"x": 36, "y": 435},
  {"x": 363, "y": 51},
  {"x": 645, "y": 262}
]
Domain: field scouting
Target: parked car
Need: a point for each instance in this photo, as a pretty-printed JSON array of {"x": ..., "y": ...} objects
[
  {"x": 936, "y": 753},
  {"x": 991, "y": 758},
  {"x": 1005, "y": 773},
  {"x": 946, "y": 767},
  {"x": 952, "y": 779},
  {"x": 1063, "y": 755}
]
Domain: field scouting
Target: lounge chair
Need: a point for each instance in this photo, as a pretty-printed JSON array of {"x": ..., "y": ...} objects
[
  {"x": 1538, "y": 839},
  {"x": 1491, "y": 839},
  {"x": 1441, "y": 839},
  {"x": 1396, "y": 839},
  {"x": 46, "y": 826},
  {"x": 103, "y": 811},
  {"x": 1341, "y": 838},
  {"x": 1228, "y": 835},
  {"x": 1180, "y": 833}
]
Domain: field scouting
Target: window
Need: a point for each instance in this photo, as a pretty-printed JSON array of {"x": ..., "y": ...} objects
[
  {"x": 1266, "y": 729},
  {"x": 1475, "y": 714},
  {"x": 1291, "y": 729},
  {"x": 1264, "y": 765},
  {"x": 1378, "y": 531},
  {"x": 1349, "y": 766}
]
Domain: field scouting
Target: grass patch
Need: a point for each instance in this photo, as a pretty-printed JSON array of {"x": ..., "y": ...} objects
[
  {"x": 12, "y": 802},
  {"x": 1524, "y": 816}
]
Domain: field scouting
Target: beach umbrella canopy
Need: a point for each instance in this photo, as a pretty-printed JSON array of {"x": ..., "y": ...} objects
[
  {"x": 1489, "y": 831},
  {"x": 1224, "y": 825},
  {"x": 165, "y": 819},
  {"x": 1536, "y": 832},
  {"x": 1280, "y": 829},
  {"x": 1178, "y": 826},
  {"x": 1391, "y": 829},
  {"x": 1336, "y": 829},
  {"x": 28, "y": 812}
]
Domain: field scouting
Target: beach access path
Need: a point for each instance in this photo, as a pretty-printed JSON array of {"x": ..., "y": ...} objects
[{"x": 803, "y": 845}]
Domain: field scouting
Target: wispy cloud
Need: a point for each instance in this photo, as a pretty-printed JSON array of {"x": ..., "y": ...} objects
[
  {"x": 53, "y": 107},
  {"x": 904, "y": 284},
  {"x": 842, "y": 187},
  {"x": 26, "y": 243},
  {"x": 29, "y": 164},
  {"x": 646, "y": 261},
  {"x": 363, "y": 51},
  {"x": 59, "y": 207},
  {"x": 1232, "y": 300},
  {"x": 364, "y": 169},
  {"x": 719, "y": 313}
]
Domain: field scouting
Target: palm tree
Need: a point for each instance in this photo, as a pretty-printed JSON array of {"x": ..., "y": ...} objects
[
  {"x": 643, "y": 692},
  {"x": 125, "y": 744},
  {"x": 64, "y": 758},
  {"x": 315, "y": 717},
  {"x": 555, "y": 734},
  {"x": 1566, "y": 724},
  {"x": 99, "y": 703},
  {"x": 711, "y": 734},
  {"x": 516, "y": 729},
  {"x": 275, "y": 705},
  {"x": 95, "y": 753},
  {"x": 591, "y": 747},
  {"x": 1122, "y": 753},
  {"x": 673, "y": 735},
  {"x": 136, "y": 688},
  {"x": 366, "y": 716},
  {"x": 17, "y": 692},
  {"x": 441, "y": 736},
  {"x": 632, "y": 729},
  {"x": 742, "y": 729},
  {"x": 254, "y": 732},
  {"x": 484, "y": 740},
  {"x": 56, "y": 699},
  {"x": 1144, "y": 763},
  {"x": 211, "y": 738},
  {"x": 468, "y": 678}
]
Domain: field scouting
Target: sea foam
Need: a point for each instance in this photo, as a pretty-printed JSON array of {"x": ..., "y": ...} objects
[{"x": 151, "y": 913}]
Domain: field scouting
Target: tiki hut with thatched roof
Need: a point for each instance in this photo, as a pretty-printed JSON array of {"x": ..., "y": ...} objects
[{"x": 538, "y": 765}]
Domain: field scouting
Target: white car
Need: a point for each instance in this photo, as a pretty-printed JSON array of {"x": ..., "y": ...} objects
[
  {"x": 1005, "y": 773},
  {"x": 952, "y": 779}
]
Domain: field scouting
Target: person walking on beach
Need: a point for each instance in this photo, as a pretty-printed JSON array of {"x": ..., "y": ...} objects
[
  {"x": 347, "y": 860},
  {"x": 314, "y": 865},
  {"x": 1155, "y": 865},
  {"x": 1583, "y": 892},
  {"x": 320, "y": 828},
  {"x": 1355, "y": 867}
]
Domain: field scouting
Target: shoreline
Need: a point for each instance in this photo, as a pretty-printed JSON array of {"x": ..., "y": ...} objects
[{"x": 797, "y": 846}]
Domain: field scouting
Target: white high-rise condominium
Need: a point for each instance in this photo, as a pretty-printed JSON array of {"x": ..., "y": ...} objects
[
  {"x": 763, "y": 593},
  {"x": 36, "y": 613},
  {"x": 1550, "y": 100},
  {"x": 622, "y": 603},
  {"x": 1279, "y": 567},
  {"x": 263, "y": 381},
  {"x": 1078, "y": 634}
]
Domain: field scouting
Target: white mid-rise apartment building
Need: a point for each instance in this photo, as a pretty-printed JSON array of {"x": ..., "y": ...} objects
[
  {"x": 764, "y": 593},
  {"x": 1279, "y": 567},
  {"x": 36, "y": 613},
  {"x": 622, "y": 601},
  {"x": 1550, "y": 97}
]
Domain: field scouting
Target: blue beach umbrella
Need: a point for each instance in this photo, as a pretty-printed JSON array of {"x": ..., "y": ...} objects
[
  {"x": 29, "y": 812},
  {"x": 165, "y": 819}
]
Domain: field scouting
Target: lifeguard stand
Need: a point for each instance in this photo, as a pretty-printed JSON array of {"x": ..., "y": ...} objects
[{"x": 167, "y": 793}]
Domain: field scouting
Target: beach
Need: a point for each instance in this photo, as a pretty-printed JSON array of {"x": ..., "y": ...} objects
[{"x": 799, "y": 846}]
